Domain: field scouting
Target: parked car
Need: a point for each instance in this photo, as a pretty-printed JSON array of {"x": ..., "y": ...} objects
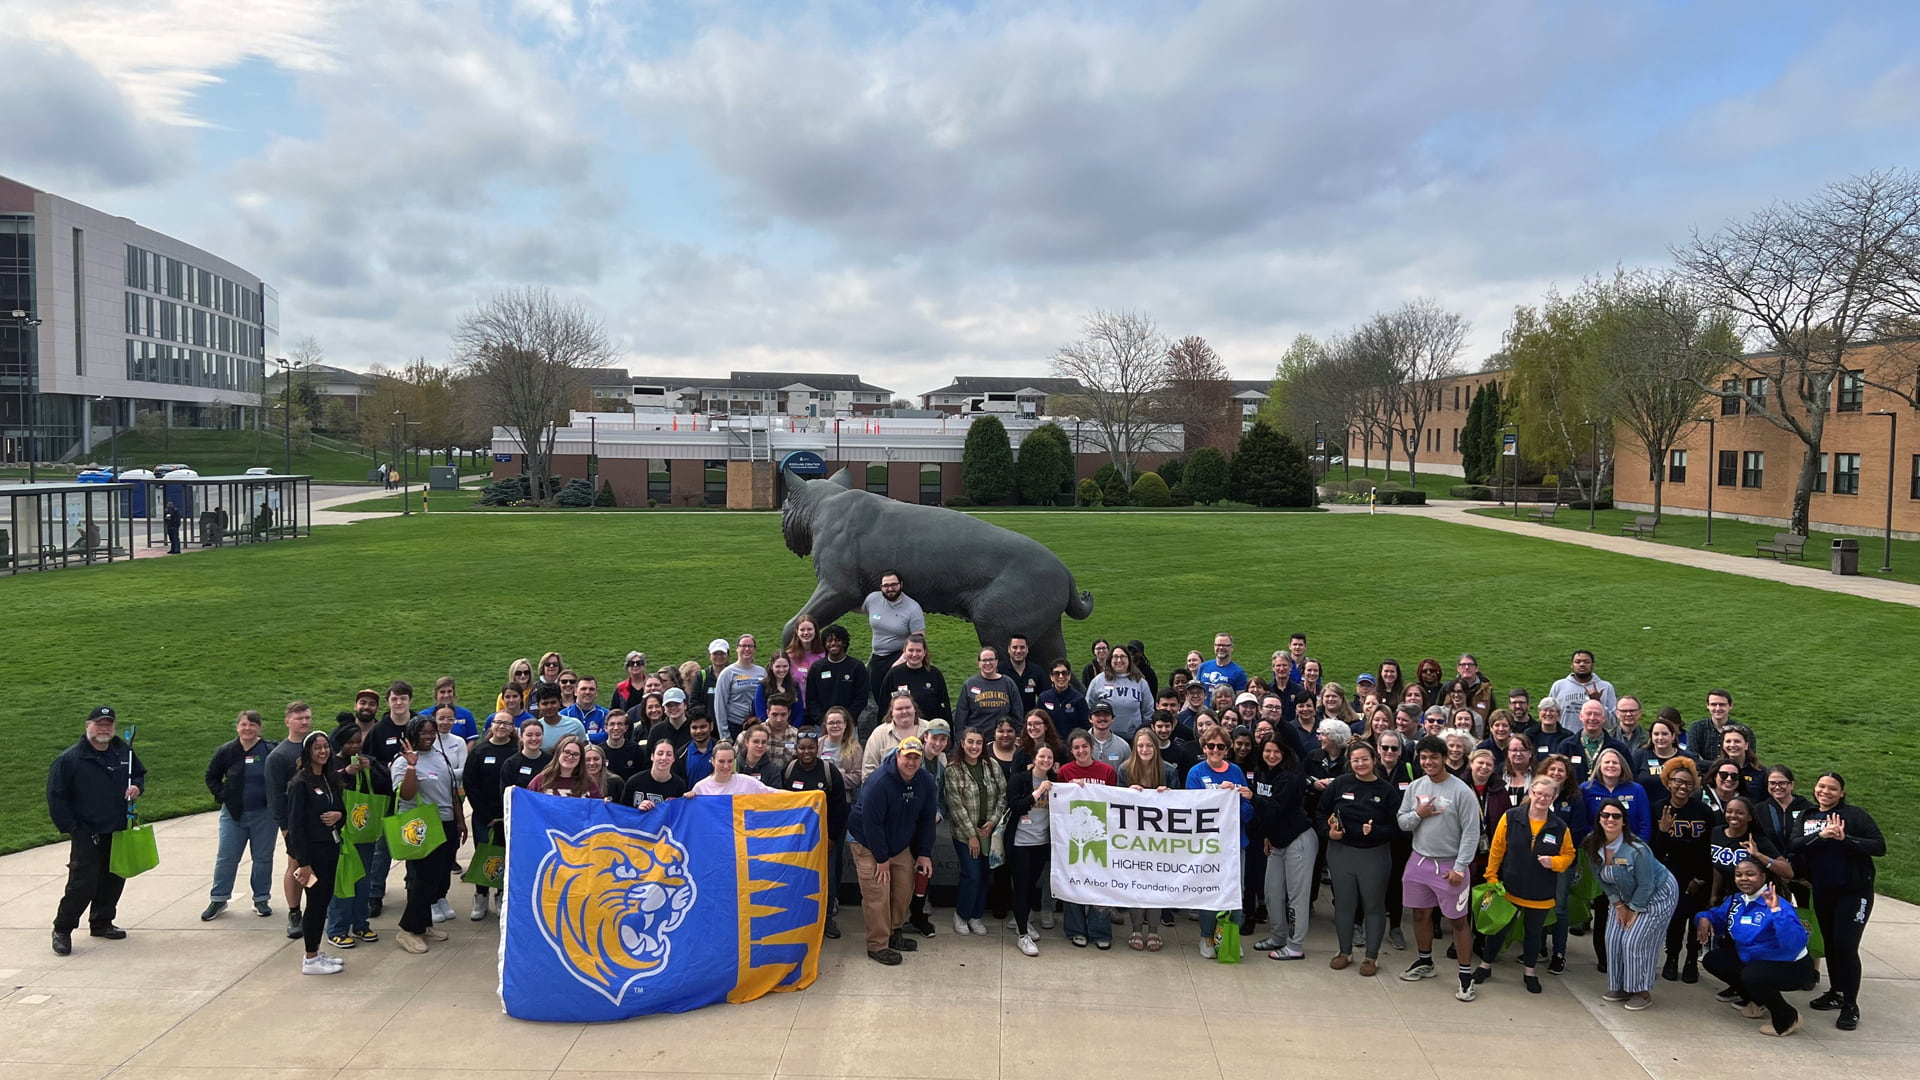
[
  {"x": 259, "y": 470},
  {"x": 162, "y": 470}
]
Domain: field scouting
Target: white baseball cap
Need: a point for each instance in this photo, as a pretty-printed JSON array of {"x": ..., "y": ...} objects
[{"x": 719, "y": 645}]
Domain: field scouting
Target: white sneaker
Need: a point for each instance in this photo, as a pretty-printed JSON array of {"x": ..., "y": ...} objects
[
  {"x": 1046, "y": 920},
  {"x": 1013, "y": 924},
  {"x": 442, "y": 911},
  {"x": 978, "y": 926},
  {"x": 1468, "y": 993},
  {"x": 1206, "y": 948},
  {"x": 1027, "y": 945},
  {"x": 960, "y": 926},
  {"x": 317, "y": 965},
  {"x": 479, "y": 908},
  {"x": 338, "y": 964}
]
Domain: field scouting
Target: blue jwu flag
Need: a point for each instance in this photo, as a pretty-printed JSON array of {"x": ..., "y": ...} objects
[{"x": 612, "y": 913}]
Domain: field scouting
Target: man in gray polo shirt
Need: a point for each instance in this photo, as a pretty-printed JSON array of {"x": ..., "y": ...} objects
[{"x": 891, "y": 615}]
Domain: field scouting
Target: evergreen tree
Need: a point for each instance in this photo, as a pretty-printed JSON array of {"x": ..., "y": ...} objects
[
  {"x": 986, "y": 462},
  {"x": 1472, "y": 465},
  {"x": 1045, "y": 465},
  {"x": 1206, "y": 476},
  {"x": 1270, "y": 469}
]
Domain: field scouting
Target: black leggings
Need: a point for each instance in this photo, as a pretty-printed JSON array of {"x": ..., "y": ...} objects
[
  {"x": 313, "y": 912},
  {"x": 1402, "y": 849},
  {"x": 427, "y": 880},
  {"x": 1680, "y": 927},
  {"x": 1764, "y": 982},
  {"x": 1029, "y": 865},
  {"x": 1843, "y": 914}
]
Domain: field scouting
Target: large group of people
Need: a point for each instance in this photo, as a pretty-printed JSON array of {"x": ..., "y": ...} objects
[{"x": 1668, "y": 843}]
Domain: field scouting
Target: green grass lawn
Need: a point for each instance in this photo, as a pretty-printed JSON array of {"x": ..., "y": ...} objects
[
  {"x": 179, "y": 645},
  {"x": 438, "y": 502},
  {"x": 1434, "y": 484},
  {"x": 213, "y": 453},
  {"x": 1738, "y": 537}
]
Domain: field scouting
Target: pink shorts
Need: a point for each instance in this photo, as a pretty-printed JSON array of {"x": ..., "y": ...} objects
[{"x": 1424, "y": 885}]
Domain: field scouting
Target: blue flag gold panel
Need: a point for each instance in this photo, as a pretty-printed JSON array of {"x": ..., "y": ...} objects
[{"x": 613, "y": 913}]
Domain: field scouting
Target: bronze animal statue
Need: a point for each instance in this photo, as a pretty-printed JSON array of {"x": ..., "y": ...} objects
[{"x": 952, "y": 563}]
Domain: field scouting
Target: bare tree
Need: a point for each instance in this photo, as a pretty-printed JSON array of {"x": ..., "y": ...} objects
[
  {"x": 1657, "y": 342},
  {"x": 1121, "y": 362},
  {"x": 527, "y": 353},
  {"x": 1199, "y": 393},
  {"x": 1406, "y": 352},
  {"x": 1811, "y": 281}
]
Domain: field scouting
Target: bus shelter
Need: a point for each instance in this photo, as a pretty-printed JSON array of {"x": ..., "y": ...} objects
[
  {"x": 52, "y": 525},
  {"x": 220, "y": 510}
]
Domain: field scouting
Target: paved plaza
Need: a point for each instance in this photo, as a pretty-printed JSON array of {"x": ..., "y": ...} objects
[{"x": 184, "y": 1000}]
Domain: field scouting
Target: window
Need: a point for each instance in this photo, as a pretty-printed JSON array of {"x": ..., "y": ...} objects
[
  {"x": 877, "y": 477},
  {"x": 1753, "y": 469},
  {"x": 1846, "y": 474},
  {"x": 1820, "y": 473},
  {"x": 1677, "y": 467},
  {"x": 1913, "y": 484},
  {"x": 1456, "y": 401},
  {"x": 1729, "y": 468},
  {"x": 1853, "y": 386},
  {"x": 929, "y": 485},
  {"x": 1757, "y": 390},
  {"x": 1729, "y": 406},
  {"x": 659, "y": 482},
  {"x": 1456, "y": 440},
  {"x": 716, "y": 482}
]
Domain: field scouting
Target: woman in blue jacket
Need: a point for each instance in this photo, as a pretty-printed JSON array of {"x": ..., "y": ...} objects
[
  {"x": 1643, "y": 894},
  {"x": 1762, "y": 949}
]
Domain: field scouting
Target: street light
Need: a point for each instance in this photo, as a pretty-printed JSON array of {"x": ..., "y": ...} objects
[
  {"x": 1713, "y": 474},
  {"x": 1893, "y": 432},
  {"x": 114, "y": 467},
  {"x": 286, "y": 372},
  {"x": 30, "y": 393},
  {"x": 406, "y": 474},
  {"x": 1513, "y": 469},
  {"x": 1593, "y": 493}
]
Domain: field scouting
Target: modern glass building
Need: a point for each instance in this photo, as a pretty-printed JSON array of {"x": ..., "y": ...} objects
[{"x": 102, "y": 319}]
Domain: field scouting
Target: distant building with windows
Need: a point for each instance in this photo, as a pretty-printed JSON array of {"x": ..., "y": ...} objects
[
  {"x": 128, "y": 319},
  {"x": 1003, "y": 395},
  {"x": 742, "y": 393}
]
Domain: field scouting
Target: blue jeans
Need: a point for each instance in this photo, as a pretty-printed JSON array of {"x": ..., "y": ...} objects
[
  {"x": 347, "y": 914},
  {"x": 378, "y": 864},
  {"x": 255, "y": 831},
  {"x": 970, "y": 900},
  {"x": 1091, "y": 923}
]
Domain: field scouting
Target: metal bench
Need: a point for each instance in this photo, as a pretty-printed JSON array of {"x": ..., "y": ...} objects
[
  {"x": 1543, "y": 512},
  {"x": 1642, "y": 527},
  {"x": 1781, "y": 546}
]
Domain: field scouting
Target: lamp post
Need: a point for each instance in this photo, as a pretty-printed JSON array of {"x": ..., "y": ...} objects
[
  {"x": 406, "y": 474},
  {"x": 286, "y": 372},
  {"x": 29, "y": 391},
  {"x": 593, "y": 453},
  {"x": 1713, "y": 474},
  {"x": 1893, "y": 432},
  {"x": 114, "y": 466}
]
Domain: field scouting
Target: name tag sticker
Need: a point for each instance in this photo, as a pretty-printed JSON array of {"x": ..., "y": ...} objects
[
  {"x": 1346, "y": 794},
  {"x": 1549, "y": 838}
]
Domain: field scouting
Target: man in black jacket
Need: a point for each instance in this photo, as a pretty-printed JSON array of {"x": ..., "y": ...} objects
[
  {"x": 88, "y": 790},
  {"x": 837, "y": 679},
  {"x": 237, "y": 776}
]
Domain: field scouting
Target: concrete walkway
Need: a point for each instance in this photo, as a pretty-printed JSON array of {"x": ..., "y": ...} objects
[{"x": 182, "y": 998}]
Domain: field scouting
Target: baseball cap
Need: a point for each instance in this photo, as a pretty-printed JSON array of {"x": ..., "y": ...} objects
[
  {"x": 719, "y": 645},
  {"x": 1196, "y": 684},
  {"x": 1103, "y": 704},
  {"x": 374, "y": 694},
  {"x": 1246, "y": 699},
  {"x": 101, "y": 712},
  {"x": 1365, "y": 676},
  {"x": 911, "y": 745},
  {"x": 937, "y": 727},
  {"x": 674, "y": 694}
]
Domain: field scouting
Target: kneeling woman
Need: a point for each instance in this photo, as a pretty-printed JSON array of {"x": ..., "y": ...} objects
[
  {"x": 1762, "y": 950},
  {"x": 1530, "y": 865},
  {"x": 1643, "y": 895}
]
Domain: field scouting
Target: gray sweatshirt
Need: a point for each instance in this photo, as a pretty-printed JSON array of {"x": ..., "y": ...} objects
[{"x": 1454, "y": 833}]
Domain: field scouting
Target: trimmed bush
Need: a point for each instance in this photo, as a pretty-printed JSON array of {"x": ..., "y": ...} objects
[
  {"x": 1470, "y": 491},
  {"x": 1389, "y": 485},
  {"x": 959, "y": 501},
  {"x": 1045, "y": 465},
  {"x": 1172, "y": 470},
  {"x": 1335, "y": 487},
  {"x": 986, "y": 461},
  {"x": 1150, "y": 490},
  {"x": 1089, "y": 493},
  {"x": 1270, "y": 469},
  {"x": 605, "y": 498},
  {"x": 1181, "y": 496},
  {"x": 1361, "y": 486},
  {"x": 1206, "y": 476},
  {"x": 1399, "y": 497},
  {"x": 1114, "y": 490}
]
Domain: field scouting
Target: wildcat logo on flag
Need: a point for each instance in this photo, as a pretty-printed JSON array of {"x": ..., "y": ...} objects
[
  {"x": 1117, "y": 847},
  {"x": 612, "y": 913}
]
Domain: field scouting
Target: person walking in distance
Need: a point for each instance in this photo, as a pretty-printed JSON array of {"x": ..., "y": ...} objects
[{"x": 88, "y": 789}]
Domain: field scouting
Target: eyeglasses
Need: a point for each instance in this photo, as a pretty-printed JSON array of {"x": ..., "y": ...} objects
[
  {"x": 1611, "y": 815},
  {"x": 1779, "y": 783}
]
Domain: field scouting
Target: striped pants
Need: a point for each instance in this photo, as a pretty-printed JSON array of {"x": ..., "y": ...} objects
[{"x": 1633, "y": 953}]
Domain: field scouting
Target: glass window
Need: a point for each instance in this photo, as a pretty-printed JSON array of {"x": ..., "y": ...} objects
[
  {"x": 659, "y": 482},
  {"x": 1820, "y": 473},
  {"x": 1753, "y": 469},
  {"x": 1730, "y": 406},
  {"x": 1853, "y": 387},
  {"x": 1913, "y": 483},
  {"x": 1757, "y": 390},
  {"x": 1677, "y": 467},
  {"x": 930, "y": 484},
  {"x": 1729, "y": 467},
  {"x": 1846, "y": 474},
  {"x": 877, "y": 477},
  {"x": 716, "y": 483}
]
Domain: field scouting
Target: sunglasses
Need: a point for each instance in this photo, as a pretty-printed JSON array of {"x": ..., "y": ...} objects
[
  {"x": 636, "y": 663},
  {"x": 1612, "y": 816},
  {"x": 569, "y": 682},
  {"x": 1728, "y": 775},
  {"x": 1214, "y": 746},
  {"x": 551, "y": 663}
]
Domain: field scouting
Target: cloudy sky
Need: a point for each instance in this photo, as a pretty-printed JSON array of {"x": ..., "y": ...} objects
[{"x": 914, "y": 190}]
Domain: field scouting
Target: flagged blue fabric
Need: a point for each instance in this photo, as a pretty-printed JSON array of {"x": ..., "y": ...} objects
[{"x": 613, "y": 912}]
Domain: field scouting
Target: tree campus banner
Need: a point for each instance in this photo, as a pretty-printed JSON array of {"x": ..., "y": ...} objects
[
  {"x": 612, "y": 913},
  {"x": 1116, "y": 847}
]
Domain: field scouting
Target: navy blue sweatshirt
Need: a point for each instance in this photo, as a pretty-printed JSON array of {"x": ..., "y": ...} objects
[{"x": 893, "y": 815}]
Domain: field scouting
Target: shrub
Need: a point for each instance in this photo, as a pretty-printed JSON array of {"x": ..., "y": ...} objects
[
  {"x": 1181, "y": 496},
  {"x": 578, "y": 492},
  {"x": 1089, "y": 493},
  {"x": 1270, "y": 469},
  {"x": 1581, "y": 504},
  {"x": 1389, "y": 485},
  {"x": 1361, "y": 486},
  {"x": 1399, "y": 497},
  {"x": 1550, "y": 480},
  {"x": 1172, "y": 470},
  {"x": 1206, "y": 476},
  {"x": 605, "y": 498},
  {"x": 959, "y": 501},
  {"x": 652, "y": 503},
  {"x": 1335, "y": 487},
  {"x": 1150, "y": 490},
  {"x": 1470, "y": 491},
  {"x": 511, "y": 491},
  {"x": 986, "y": 461},
  {"x": 1114, "y": 490},
  {"x": 1045, "y": 465}
]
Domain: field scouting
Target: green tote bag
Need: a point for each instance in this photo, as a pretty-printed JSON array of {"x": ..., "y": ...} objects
[
  {"x": 364, "y": 811},
  {"x": 348, "y": 872},
  {"x": 134, "y": 850},
  {"x": 415, "y": 833}
]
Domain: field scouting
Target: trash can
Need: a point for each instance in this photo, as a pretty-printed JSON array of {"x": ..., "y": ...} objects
[
  {"x": 443, "y": 478},
  {"x": 1846, "y": 556}
]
